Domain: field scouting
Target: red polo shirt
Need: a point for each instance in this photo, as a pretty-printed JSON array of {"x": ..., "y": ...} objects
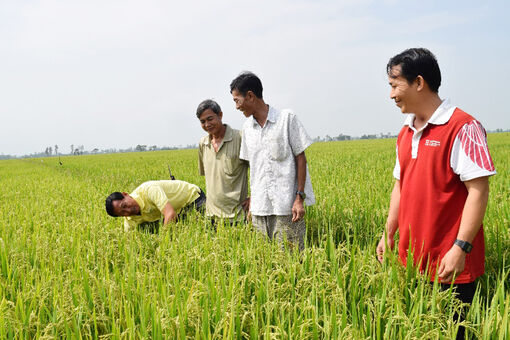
[{"x": 432, "y": 194}]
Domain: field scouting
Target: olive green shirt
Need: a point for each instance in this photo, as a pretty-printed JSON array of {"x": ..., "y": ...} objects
[{"x": 226, "y": 176}]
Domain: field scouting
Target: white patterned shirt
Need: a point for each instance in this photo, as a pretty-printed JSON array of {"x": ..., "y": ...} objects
[
  {"x": 271, "y": 152},
  {"x": 470, "y": 156}
]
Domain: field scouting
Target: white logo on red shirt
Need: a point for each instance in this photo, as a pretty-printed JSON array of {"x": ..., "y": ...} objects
[
  {"x": 474, "y": 143},
  {"x": 430, "y": 142}
]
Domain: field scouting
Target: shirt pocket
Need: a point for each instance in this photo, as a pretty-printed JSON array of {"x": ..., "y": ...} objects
[
  {"x": 230, "y": 165},
  {"x": 278, "y": 147}
]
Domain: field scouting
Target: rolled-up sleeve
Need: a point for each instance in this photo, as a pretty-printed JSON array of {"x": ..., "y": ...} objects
[
  {"x": 129, "y": 224},
  {"x": 243, "y": 150},
  {"x": 396, "y": 168}
]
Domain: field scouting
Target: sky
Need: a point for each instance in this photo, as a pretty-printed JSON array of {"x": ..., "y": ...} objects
[{"x": 113, "y": 74}]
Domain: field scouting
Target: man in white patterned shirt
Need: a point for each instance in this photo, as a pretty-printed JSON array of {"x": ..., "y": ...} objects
[{"x": 274, "y": 143}]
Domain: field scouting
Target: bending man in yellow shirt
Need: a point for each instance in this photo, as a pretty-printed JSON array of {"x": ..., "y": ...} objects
[{"x": 154, "y": 199}]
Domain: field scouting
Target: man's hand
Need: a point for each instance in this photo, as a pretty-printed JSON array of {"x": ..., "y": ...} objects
[
  {"x": 454, "y": 261},
  {"x": 169, "y": 213},
  {"x": 298, "y": 209},
  {"x": 391, "y": 223},
  {"x": 246, "y": 204},
  {"x": 452, "y": 264},
  {"x": 246, "y": 207},
  {"x": 381, "y": 247}
]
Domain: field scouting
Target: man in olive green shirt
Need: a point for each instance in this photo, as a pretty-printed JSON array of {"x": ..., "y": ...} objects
[
  {"x": 226, "y": 176},
  {"x": 153, "y": 199}
]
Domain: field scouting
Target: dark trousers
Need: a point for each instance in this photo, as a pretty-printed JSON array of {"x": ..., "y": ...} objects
[
  {"x": 464, "y": 292},
  {"x": 198, "y": 205}
]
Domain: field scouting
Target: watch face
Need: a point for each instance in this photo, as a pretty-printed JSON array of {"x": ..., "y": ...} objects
[{"x": 465, "y": 246}]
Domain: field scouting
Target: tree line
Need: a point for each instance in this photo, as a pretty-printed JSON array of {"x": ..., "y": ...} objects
[{"x": 50, "y": 151}]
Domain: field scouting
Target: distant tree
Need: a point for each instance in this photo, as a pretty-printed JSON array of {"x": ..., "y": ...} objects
[
  {"x": 96, "y": 150},
  {"x": 56, "y": 149},
  {"x": 72, "y": 149},
  {"x": 342, "y": 137},
  {"x": 50, "y": 150},
  {"x": 79, "y": 150},
  {"x": 153, "y": 147},
  {"x": 141, "y": 147}
]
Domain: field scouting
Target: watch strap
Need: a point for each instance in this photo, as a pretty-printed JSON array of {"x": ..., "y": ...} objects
[{"x": 464, "y": 245}]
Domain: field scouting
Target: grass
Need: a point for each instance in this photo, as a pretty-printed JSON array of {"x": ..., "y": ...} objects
[{"x": 67, "y": 270}]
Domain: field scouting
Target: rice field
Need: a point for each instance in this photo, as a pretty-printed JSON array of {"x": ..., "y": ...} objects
[{"x": 67, "y": 269}]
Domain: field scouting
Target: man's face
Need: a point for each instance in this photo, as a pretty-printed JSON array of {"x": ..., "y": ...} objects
[
  {"x": 242, "y": 102},
  {"x": 211, "y": 122},
  {"x": 126, "y": 206},
  {"x": 403, "y": 93}
]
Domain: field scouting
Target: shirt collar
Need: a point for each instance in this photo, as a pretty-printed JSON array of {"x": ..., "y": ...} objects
[
  {"x": 441, "y": 116},
  {"x": 228, "y": 134},
  {"x": 226, "y": 138},
  {"x": 272, "y": 116}
]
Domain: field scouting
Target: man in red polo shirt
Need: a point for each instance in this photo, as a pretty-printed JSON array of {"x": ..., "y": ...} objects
[{"x": 442, "y": 169}]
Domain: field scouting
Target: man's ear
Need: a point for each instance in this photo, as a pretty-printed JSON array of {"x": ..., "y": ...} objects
[
  {"x": 220, "y": 115},
  {"x": 420, "y": 83},
  {"x": 125, "y": 194}
]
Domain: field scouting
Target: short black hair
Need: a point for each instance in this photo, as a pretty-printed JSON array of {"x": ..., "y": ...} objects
[
  {"x": 208, "y": 104},
  {"x": 109, "y": 202},
  {"x": 247, "y": 81},
  {"x": 416, "y": 62}
]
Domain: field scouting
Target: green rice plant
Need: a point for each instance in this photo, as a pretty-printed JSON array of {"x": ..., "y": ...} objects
[{"x": 67, "y": 270}]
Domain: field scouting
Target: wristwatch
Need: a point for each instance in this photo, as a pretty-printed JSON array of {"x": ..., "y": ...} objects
[
  {"x": 301, "y": 193},
  {"x": 464, "y": 245}
]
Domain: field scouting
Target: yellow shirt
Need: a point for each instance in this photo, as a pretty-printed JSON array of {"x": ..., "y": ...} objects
[
  {"x": 152, "y": 196},
  {"x": 226, "y": 176}
]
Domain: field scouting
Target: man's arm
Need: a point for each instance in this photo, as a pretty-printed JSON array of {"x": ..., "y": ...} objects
[
  {"x": 157, "y": 196},
  {"x": 453, "y": 262},
  {"x": 391, "y": 223},
  {"x": 129, "y": 225},
  {"x": 169, "y": 213},
  {"x": 298, "y": 209},
  {"x": 246, "y": 203},
  {"x": 201, "y": 170}
]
